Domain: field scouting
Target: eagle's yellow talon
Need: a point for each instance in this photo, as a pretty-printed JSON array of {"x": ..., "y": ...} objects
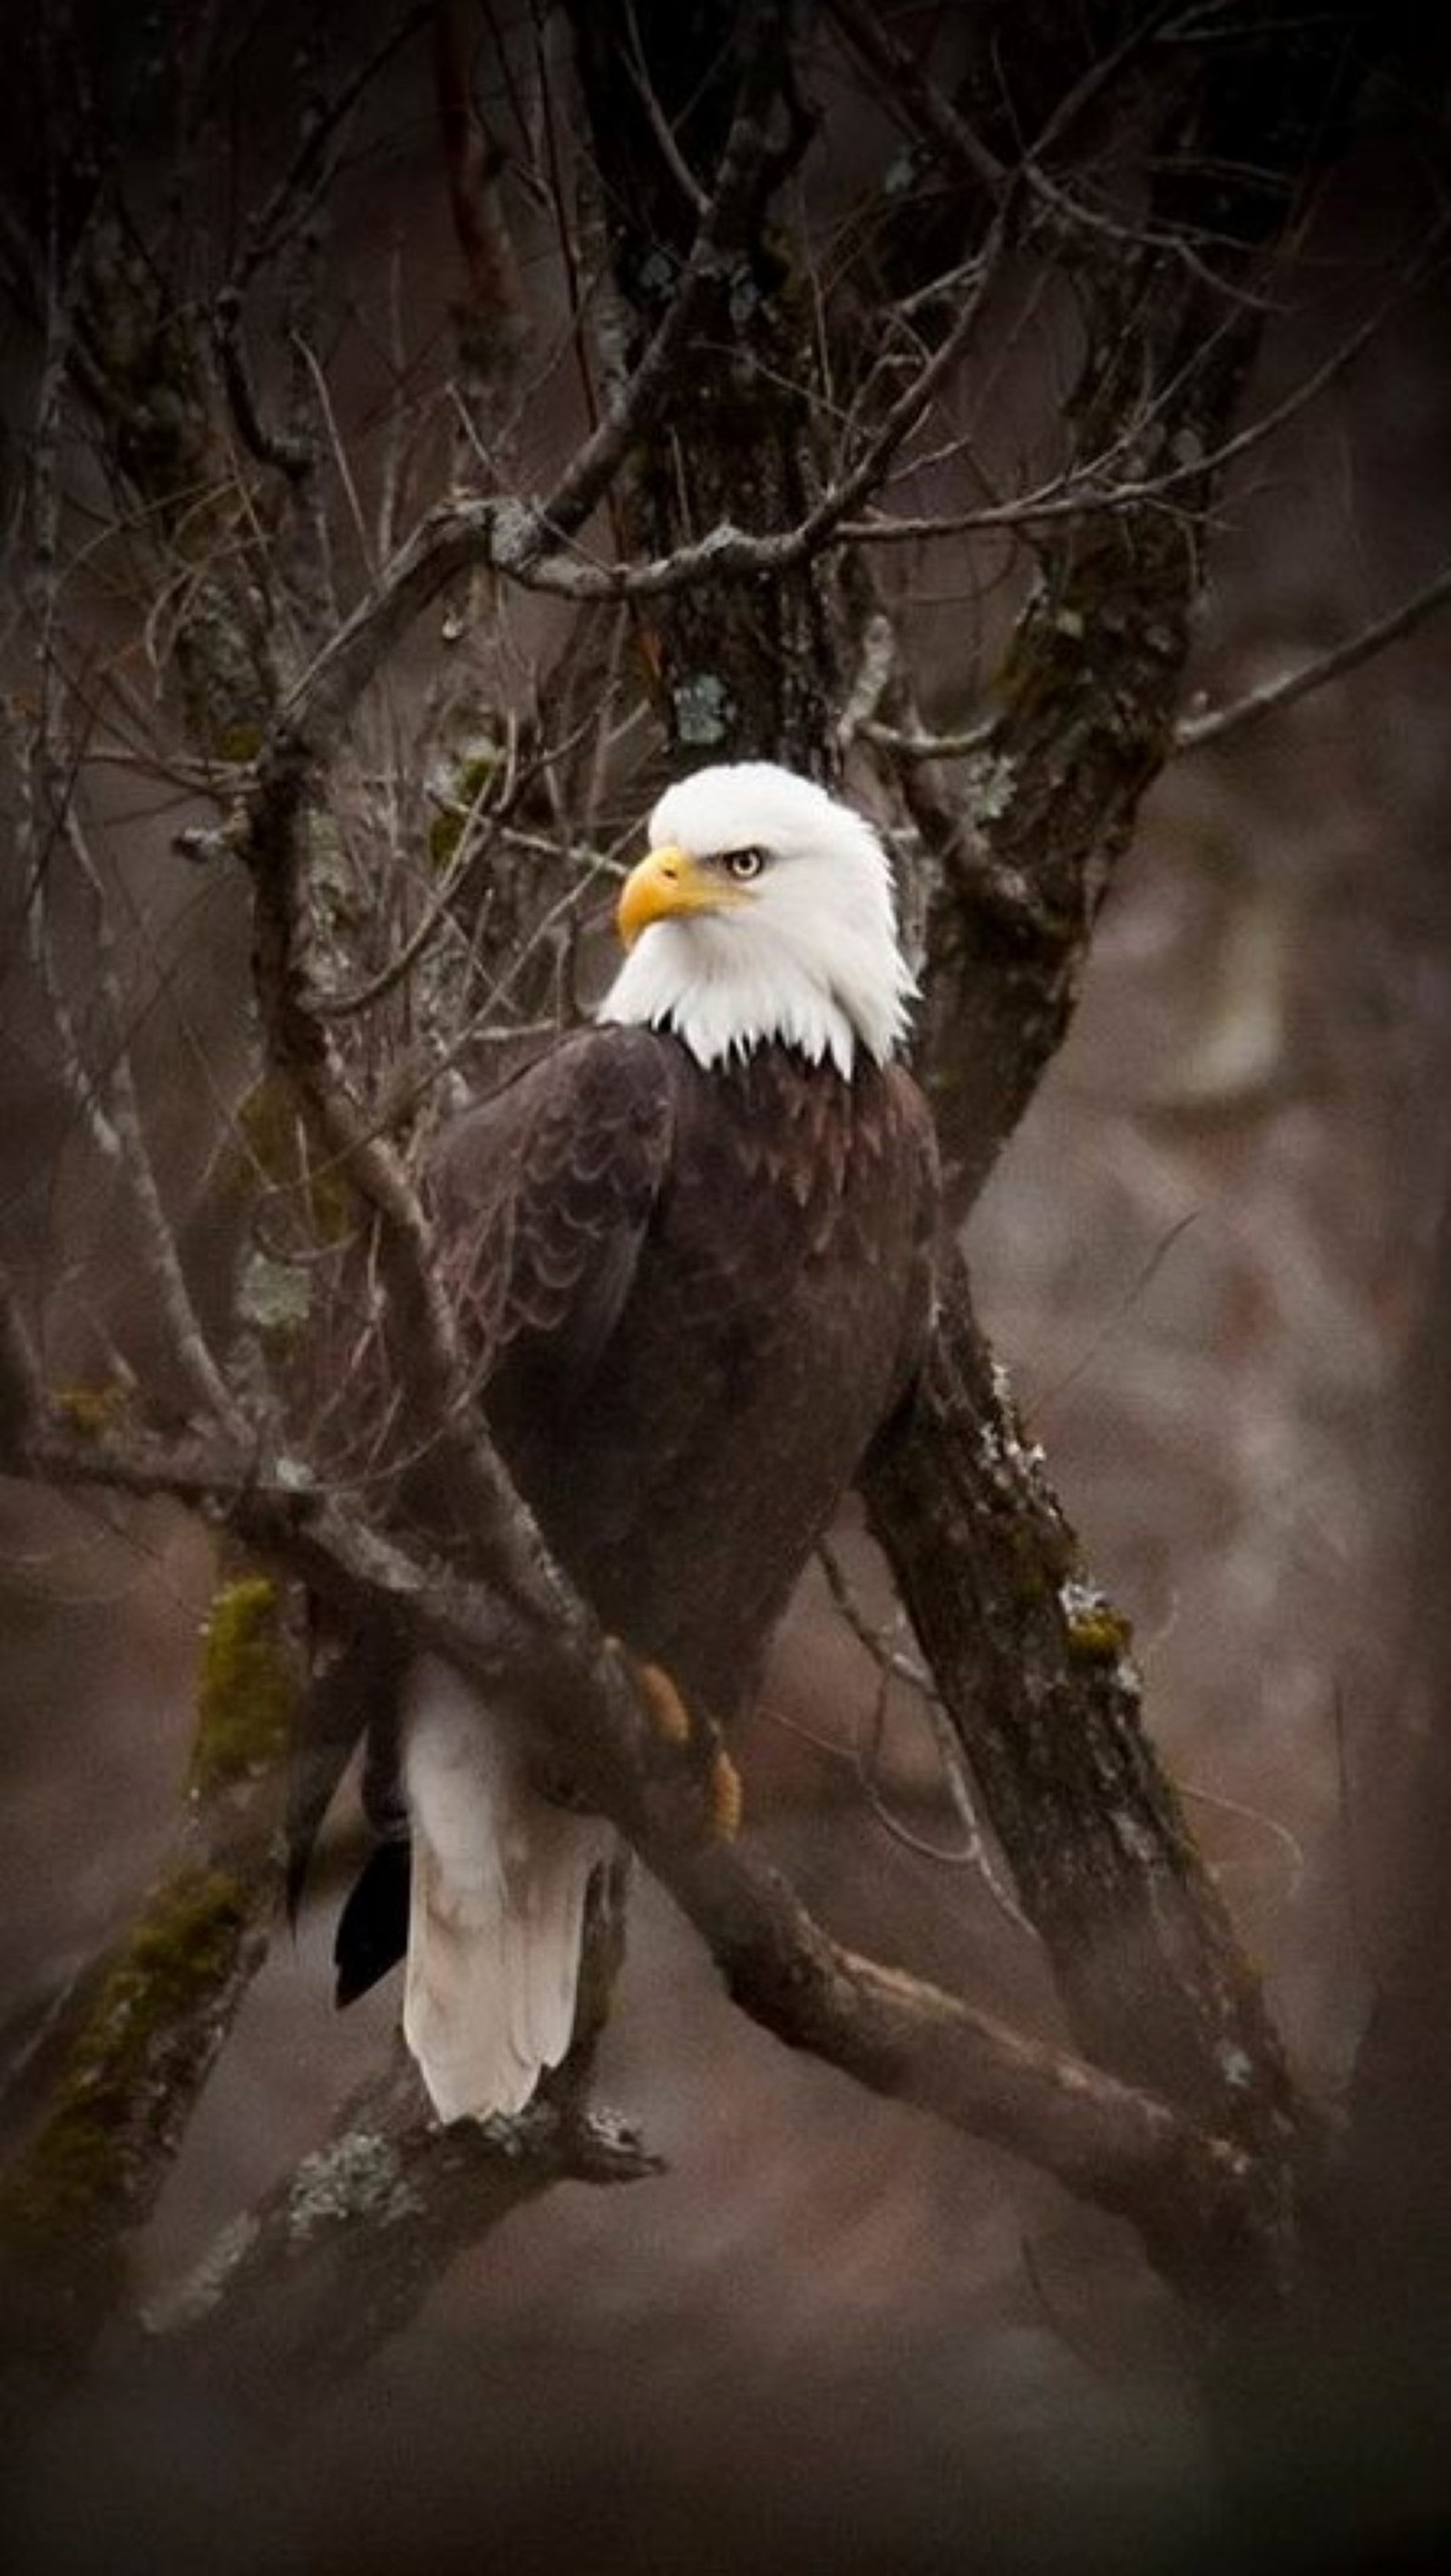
[
  {"x": 726, "y": 1798},
  {"x": 667, "y": 1710},
  {"x": 671, "y": 1720}
]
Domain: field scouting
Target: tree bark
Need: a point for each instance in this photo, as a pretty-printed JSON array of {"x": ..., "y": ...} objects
[
  {"x": 1032, "y": 1662},
  {"x": 744, "y": 669},
  {"x": 1036, "y": 1671}
]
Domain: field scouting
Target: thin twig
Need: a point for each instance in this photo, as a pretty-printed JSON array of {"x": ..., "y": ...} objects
[
  {"x": 892, "y": 1665},
  {"x": 660, "y": 125},
  {"x": 1194, "y": 731},
  {"x": 308, "y": 172},
  {"x": 164, "y": 1268}
]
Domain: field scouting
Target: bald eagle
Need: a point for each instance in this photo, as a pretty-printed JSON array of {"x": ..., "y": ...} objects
[{"x": 690, "y": 1252}]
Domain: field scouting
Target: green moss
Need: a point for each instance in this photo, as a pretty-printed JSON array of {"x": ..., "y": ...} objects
[
  {"x": 176, "y": 1956},
  {"x": 276, "y": 1144},
  {"x": 444, "y": 834},
  {"x": 272, "y": 1129},
  {"x": 465, "y": 789},
  {"x": 90, "y": 2159},
  {"x": 238, "y": 741},
  {"x": 1030, "y": 1579},
  {"x": 247, "y": 1684},
  {"x": 1098, "y": 1636}
]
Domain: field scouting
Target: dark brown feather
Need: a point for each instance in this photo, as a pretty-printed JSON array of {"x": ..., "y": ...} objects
[
  {"x": 691, "y": 1299},
  {"x": 694, "y": 1296}
]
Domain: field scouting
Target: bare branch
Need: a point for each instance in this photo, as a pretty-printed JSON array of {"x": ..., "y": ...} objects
[
  {"x": 1194, "y": 2197},
  {"x": 903, "y": 79},
  {"x": 1098, "y": 484},
  {"x": 1193, "y": 731},
  {"x": 290, "y": 456},
  {"x": 1035, "y": 1669},
  {"x": 518, "y": 539},
  {"x": 135, "y": 2043},
  {"x": 300, "y": 2291},
  {"x": 1071, "y": 220},
  {"x": 303, "y": 1054},
  {"x": 915, "y": 745},
  {"x": 306, "y": 175},
  {"x": 660, "y": 126},
  {"x": 490, "y": 319},
  {"x": 119, "y": 1126},
  {"x": 895, "y": 1666}
]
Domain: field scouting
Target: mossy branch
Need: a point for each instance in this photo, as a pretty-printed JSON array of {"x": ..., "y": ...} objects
[
  {"x": 303, "y": 2288},
  {"x": 1208, "y": 2216},
  {"x": 130, "y": 2057}
]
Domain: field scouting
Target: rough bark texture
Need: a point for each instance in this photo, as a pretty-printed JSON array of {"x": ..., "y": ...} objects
[
  {"x": 1034, "y": 1665},
  {"x": 744, "y": 669},
  {"x": 1207, "y": 2212},
  {"x": 1084, "y": 700},
  {"x": 1036, "y": 1671},
  {"x": 129, "y": 2055},
  {"x": 340, "y": 2255}
]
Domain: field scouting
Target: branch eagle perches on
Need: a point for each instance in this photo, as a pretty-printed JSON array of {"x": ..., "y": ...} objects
[{"x": 1195, "y": 2198}]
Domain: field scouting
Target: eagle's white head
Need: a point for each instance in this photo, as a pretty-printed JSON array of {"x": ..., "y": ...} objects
[{"x": 764, "y": 911}]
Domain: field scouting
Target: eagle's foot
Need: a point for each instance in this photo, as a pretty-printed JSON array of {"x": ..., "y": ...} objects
[
  {"x": 666, "y": 1709},
  {"x": 696, "y": 1735},
  {"x": 726, "y": 1795}
]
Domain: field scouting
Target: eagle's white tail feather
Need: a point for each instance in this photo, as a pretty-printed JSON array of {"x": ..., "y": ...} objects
[{"x": 496, "y": 1915}]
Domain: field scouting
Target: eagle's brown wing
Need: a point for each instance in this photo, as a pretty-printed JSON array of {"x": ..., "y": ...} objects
[{"x": 543, "y": 1193}]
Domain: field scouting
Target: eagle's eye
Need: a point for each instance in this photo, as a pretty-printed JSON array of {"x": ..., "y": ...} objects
[{"x": 743, "y": 864}]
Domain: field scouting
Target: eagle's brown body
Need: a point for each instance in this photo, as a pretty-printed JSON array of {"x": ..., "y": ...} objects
[
  {"x": 690, "y": 1254},
  {"x": 697, "y": 1295}
]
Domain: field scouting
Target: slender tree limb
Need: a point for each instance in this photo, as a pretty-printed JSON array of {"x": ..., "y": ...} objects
[
  {"x": 1086, "y": 692},
  {"x": 519, "y": 538},
  {"x": 512, "y": 536},
  {"x": 1193, "y": 731},
  {"x": 302, "y": 2289},
  {"x": 1077, "y": 227},
  {"x": 133, "y": 2048},
  {"x": 305, "y": 179},
  {"x": 1105, "y": 484},
  {"x": 490, "y": 318},
  {"x": 1196, "y": 2199},
  {"x": 637, "y": 65},
  {"x": 284, "y": 454},
  {"x": 903, "y": 80},
  {"x": 118, "y": 1124}
]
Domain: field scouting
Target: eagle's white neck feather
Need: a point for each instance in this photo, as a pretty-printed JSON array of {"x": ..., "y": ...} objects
[{"x": 811, "y": 960}]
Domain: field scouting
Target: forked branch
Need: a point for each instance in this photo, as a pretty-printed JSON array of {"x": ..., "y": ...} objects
[{"x": 1199, "y": 2201}]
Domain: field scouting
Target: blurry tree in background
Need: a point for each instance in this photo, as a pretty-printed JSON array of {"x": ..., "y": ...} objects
[{"x": 429, "y": 430}]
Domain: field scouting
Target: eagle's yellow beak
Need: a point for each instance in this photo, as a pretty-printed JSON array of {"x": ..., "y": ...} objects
[{"x": 664, "y": 885}]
